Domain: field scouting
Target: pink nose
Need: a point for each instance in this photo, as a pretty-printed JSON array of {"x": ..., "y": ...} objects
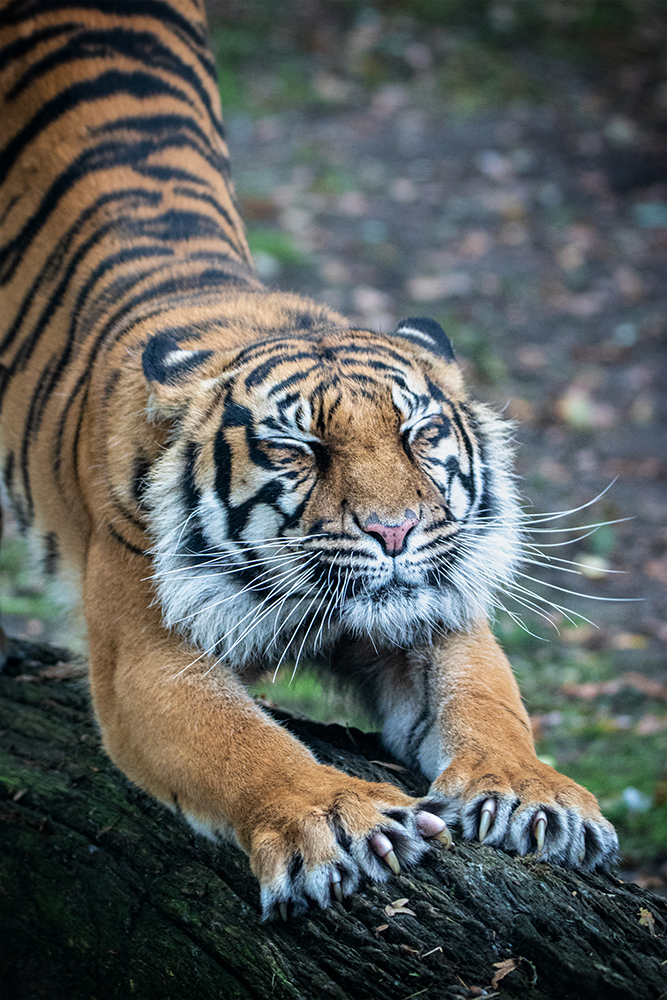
[{"x": 392, "y": 536}]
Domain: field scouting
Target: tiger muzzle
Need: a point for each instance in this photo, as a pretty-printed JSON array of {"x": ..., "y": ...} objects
[{"x": 391, "y": 536}]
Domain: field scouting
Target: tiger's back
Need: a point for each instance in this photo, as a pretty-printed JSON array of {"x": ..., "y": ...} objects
[{"x": 115, "y": 204}]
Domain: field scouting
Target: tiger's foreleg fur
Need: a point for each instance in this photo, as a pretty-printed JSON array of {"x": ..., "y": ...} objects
[{"x": 454, "y": 712}]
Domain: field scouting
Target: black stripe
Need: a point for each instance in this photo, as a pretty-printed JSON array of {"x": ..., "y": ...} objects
[
  {"x": 140, "y": 473},
  {"x": 103, "y": 157},
  {"x": 189, "y": 192},
  {"x": 142, "y": 46},
  {"x": 26, "y": 10},
  {"x": 133, "y": 195},
  {"x": 19, "y": 49},
  {"x": 123, "y": 541},
  {"x": 260, "y": 374},
  {"x": 54, "y": 369},
  {"x": 51, "y": 556},
  {"x": 194, "y": 540},
  {"x": 28, "y": 346},
  {"x": 109, "y": 84},
  {"x": 371, "y": 348},
  {"x": 126, "y": 514},
  {"x": 168, "y": 126}
]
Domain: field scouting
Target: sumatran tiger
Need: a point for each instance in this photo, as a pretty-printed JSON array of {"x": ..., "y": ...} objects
[{"x": 242, "y": 478}]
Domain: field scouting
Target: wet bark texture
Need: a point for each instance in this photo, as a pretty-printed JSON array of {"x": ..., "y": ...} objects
[{"x": 103, "y": 894}]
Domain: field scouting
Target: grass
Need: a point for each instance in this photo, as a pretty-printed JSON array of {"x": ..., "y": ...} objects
[
  {"x": 24, "y": 590},
  {"x": 277, "y": 243}
]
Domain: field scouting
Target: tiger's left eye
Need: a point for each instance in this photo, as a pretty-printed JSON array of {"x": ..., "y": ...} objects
[
  {"x": 430, "y": 426},
  {"x": 288, "y": 451}
]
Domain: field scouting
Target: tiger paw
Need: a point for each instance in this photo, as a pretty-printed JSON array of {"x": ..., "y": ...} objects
[
  {"x": 525, "y": 809},
  {"x": 316, "y": 843}
]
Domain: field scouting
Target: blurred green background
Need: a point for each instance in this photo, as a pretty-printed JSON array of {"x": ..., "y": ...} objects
[{"x": 497, "y": 164}]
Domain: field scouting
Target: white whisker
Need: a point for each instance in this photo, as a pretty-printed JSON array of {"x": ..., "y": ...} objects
[{"x": 576, "y": 593}]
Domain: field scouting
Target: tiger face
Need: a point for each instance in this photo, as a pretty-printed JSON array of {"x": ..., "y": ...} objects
[{"x": 329, "y": 486}]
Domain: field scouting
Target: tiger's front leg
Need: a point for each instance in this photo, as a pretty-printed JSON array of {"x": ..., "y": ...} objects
[
  {"x": 184, "y": 729},
  {"x": 456, "y": 713}
]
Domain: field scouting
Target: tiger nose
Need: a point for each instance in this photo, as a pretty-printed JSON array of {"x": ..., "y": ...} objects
[{"x": 392, "y": 536}]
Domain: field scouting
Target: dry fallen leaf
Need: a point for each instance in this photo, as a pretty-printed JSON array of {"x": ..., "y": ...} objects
[
  {"x": 504, "y": 969},
  {"x": 647, "y": 920},
  {"x": 57, "y": 672},
  {"x": 631, "y": 679},
  {"x": 63, "y": 671},
  {"x": 380, "y": 929},
  {"x": 392, "y": 767},
  {"x": 398, "y": 907}
]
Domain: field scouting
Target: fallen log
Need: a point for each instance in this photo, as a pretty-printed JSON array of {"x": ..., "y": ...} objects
[{"x": 104, "y": 894}]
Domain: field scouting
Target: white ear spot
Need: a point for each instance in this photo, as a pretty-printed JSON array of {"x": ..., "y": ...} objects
[
  {"x": 426, "y": 333},
  {"x": 414, "y": 334},
  {"x": 177, "y": 357},
  {"x": 164, "y": 361}
]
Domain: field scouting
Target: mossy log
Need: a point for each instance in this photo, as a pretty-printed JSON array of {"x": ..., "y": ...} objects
[{"x": 104, "y": 894}]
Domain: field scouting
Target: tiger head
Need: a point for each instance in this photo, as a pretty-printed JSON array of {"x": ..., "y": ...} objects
[{"x": 324, "y": 485}]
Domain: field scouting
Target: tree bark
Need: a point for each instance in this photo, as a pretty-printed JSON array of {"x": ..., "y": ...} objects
[{"x": 104, "y": 894}]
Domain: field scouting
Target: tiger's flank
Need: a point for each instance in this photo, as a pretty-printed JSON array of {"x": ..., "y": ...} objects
[{"x": 242, "y": 479}]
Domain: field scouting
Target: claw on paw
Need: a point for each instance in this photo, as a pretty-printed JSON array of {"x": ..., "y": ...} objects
[
  {"x": 432, "y": 827},
  {"x": 392, "y": 861},
  {"x": 540, "y": 829},
  {"x": 283, "y": 911},
  {"x": 429, "y": 825},
  {"x": 486, "y": 817},
  {"x": 445, "y": 838},
  {"x": 383, "y": 847},
  {"x": 336, "y": 887}
]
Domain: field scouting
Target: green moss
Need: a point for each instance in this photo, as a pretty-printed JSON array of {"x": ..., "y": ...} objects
[
  {"x": 15, "y": 776},
  {"x": 275, "y": 242},
  {"x": 475, "y": 77},
  {"x": 24, "y": 590}
]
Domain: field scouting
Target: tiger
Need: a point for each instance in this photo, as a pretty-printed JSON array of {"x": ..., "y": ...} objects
[{"x": 240, "y": 478}]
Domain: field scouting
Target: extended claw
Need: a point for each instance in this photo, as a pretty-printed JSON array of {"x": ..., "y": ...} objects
[
  {"x": 540, "y": 829},
  {"x": 283, "y": 911},
  {"x": 336, "y": 887},
  {"x": 392, "y": 861},
  {"x": 486, "y": 818},
  {"x": 383, "y": 847},
  {"x": 445, "y": 838},
  {"x": 432, "y": 827}
]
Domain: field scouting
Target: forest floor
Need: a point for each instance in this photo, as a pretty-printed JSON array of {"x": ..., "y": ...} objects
[{"x": 390, "y": 170}]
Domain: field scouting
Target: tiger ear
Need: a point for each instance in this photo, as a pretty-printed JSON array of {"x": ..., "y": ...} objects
[
  {"x": 173, "y": 374},
  {"x": 166, "y": 363},
  {"x": 425, "y": 332}
]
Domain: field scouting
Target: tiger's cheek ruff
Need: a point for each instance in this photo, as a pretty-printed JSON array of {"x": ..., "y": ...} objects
[
  {"x": 230, "y": 569},
  {"x": 491, "y": 541}
]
